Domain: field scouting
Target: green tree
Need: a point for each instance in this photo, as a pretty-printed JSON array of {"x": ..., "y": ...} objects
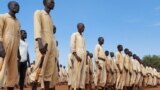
[{"x": 152, "y": 60}]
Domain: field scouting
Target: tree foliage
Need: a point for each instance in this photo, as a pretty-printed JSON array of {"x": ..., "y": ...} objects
[{"x": 152, "y": 60}]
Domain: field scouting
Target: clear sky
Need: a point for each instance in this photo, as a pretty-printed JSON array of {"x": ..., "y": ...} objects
[{"x": 133, "y": 23}]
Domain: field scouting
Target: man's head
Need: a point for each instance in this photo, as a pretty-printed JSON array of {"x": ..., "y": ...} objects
[
  {"x": 101, "y": 40},
  {"x": 23, "y": 34},
  {"x": 64, "y": 67},
  {"x": 112, "y": 54},
  {"x": 13, "y": 6},
  {"x": 49, "y": 4},
  {"x": 126, "y": 51},
  {"x": 130, "y": 53},
  {"x": 87, "y": 52},
  {"x": 106, "y": 53},
  {"x": 80, "y": 27},
  {"x": 91, "y": 55},
  {"x": 60, "y": 65},
  {"x": 54, "y": 29},
  {"x": 120, "y": 48},
  {"x": 134, "y": 56}
]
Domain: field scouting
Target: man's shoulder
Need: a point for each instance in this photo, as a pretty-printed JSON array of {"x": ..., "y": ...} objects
[{"x": 37, "y": 12}]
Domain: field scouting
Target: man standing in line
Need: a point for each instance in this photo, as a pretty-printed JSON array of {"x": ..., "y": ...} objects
[
  {"x": 9, "y": 43},
  {"x": 126, "y": 67},
  {"x": 100, "y": 58},
  {"x": 91, "y": 81},
  {"x": 70, "y": 68},
  {"x": 78, "y": 49},
  {"x": 107, "y": 62},
  {"x": 120, "y": 65},
  {"x": 43, "y": 28},
  {"x": 23, "y": 51}
]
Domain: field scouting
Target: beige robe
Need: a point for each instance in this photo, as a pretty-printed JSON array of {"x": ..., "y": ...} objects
[
  {"x": 150, "y": 76},
  {"x": 87, "y": 71},
  {"x": 121, "y": 77},
  {"x": 100, "y": 74},
  {"x": 107, "y": 64},
  {"x": 131, "y": 71},
  {"x": 78, "y": 46},
  {"x": 10, "y": 36},
  {"x": 126, "y": 67},
  {"x": 141, "y": 76},
  {"x": 55, "y": 71},
  {"x": 134, "y": 72},
  {"x": 70, "y": 67},
  {"x": 43, "y": 28},
  {"x": 147, "y": 76},
  {"x": 154, "y": 77},
  {"x": 112, "y": 71},
  {"x": 116, "y": 70},
  {"x": 139, "y": 72}
]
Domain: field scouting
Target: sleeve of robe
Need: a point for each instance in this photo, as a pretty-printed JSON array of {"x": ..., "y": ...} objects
[
  {"x": 134, "y": 66},
  {"x": 73, "y": 43},
  {"x": 69, "y": 61},
  {"x": 118, "y": 61},
  {"x": 130, "y": 66},
  {"x": 37, "y": 24},
  {"x": 1, "y": 27},
  {"x": 91, "y": 66},
  {"x": 112, "y": 65},
  {"x": 96, "y": 53}
]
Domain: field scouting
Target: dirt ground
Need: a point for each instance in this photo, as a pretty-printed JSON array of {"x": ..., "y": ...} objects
[{"x": 64, "y": 87}]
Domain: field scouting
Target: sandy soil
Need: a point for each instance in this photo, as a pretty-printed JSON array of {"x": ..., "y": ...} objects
[{"x": 64, "y": 87}]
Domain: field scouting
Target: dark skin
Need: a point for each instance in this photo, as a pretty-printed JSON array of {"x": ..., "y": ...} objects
[
  {"x": 135, "y": 57},
  {"x": 49, "y": 5},
  {"x": 120, "y": 49},
  {"x": 126, "y": 51},
  {"x": 24, "y": 37},
  {"x": 54, "y": 29},
  {"x": 80, "y": 28},
  {"x": 107, "y": 54},
  {"x": 91, "y": 56},
  {"x": 101, "y": 42},
  {"x": 130, "y": 55},
  {"x": 13, "y": 9},
  {"x": 57, "y": 58},
  {"x": 112, "y": 55},
  {"x": 87, "y": 57}
]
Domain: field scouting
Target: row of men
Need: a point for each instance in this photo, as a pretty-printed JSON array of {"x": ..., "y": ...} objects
[
  {"x": 123, "y": 71},
  {"x": 46, "y": 61},
  {"x": 45, "y": 47}
]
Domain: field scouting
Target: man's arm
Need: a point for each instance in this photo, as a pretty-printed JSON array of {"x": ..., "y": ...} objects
[
  {"x": 101, "y": 58},
  {"x": 18, "y": 55},
  {"x": 28, "y": 59},
  {"x": 2, "y": 51}
]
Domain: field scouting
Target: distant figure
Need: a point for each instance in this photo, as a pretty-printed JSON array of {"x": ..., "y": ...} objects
[
  {"x": 61, "y": 74},
  {"x": 64, "y": 75},
  {"x": 70, "y": 70},
  {"x": 23, "y": 51},
  {"x": 100, "y": 58},
  {"x": 126, "y": 68},
  {"x": 107, "y": 67},
  {"x": 120, "y": 65}
]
